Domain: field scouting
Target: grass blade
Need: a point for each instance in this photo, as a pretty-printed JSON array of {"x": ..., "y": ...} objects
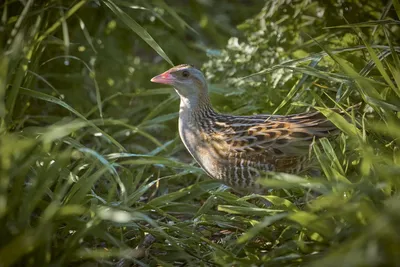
[
  {"x": 139, "y": 30},
  {"x": 61, "y": 103}
]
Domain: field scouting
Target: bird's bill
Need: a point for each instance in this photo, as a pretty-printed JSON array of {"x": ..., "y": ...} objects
[{"x": 163, "y": 78}]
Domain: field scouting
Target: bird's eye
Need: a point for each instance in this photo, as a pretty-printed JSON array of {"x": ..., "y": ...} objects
[{"x": 185, "y": 73}]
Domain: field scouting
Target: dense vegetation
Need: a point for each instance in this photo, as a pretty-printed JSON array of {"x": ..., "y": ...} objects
[{"x": 92, "y": 170}]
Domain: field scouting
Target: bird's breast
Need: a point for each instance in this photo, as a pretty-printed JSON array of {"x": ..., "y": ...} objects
[{"x": 199, "y": 146}]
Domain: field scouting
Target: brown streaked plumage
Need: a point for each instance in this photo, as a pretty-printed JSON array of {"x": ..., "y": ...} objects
[{"x": 238, "y": 149}]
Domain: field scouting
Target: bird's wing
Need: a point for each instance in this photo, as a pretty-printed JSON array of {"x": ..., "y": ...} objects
[
  {"x": 274, "y": 137},
  {"x": 282, "y": 141}
]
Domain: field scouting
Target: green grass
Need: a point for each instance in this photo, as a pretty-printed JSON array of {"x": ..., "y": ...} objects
[{"x": 92, "y": 170}]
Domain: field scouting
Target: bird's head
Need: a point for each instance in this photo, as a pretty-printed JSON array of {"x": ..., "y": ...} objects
[{"x": 188, "y": 81}]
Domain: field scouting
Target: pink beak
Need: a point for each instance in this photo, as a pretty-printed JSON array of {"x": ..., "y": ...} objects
[{"x": 163, "y": 78}]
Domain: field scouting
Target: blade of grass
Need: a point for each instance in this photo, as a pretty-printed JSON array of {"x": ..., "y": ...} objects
[
  {"x": 57, "y": 24},
  {"x": 396, "y": 75},
  {"x": 3, "y": 87},
  {"x": 92, "y": 75},
  {"x": 297, "y": 87},
  {"x": 396, "y": 5},
  {"x": 377, "y": 62},
  {"x": 366, "y": 24},
  {"x": 110, "y": 168},
  {"x": 248, "y": 210},
  {"x": 64, "y": 27},
  {"x": 79, "y": 190},
  {"x": 185, "y": 194},
  {"x": 175, "y": 15},
  {"x": 255, "y": 230},
  {"x": 340, "y": 122},
  {"x": 139, "y": 30},
  {"x": 393, "y": 50},
  {"x": 145, "y": 160},
  {"x": 48, "y": 98},
  {"x": 87, "y": 35},
  {"x": 24, "y": 54},
  {"x": 159, "y": 108},
  {"x": 18, "y": 24},
  {"x": 313, "y": 222},
  {"x": 315, "y": 56},
  {"x": 131, "y": 127},
  {"x": 383, "y": 15}
]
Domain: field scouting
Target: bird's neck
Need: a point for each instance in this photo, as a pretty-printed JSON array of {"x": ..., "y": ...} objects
[{"x": 194, "y": 110}]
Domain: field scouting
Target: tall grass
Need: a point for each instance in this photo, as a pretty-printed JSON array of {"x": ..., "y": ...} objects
[{"x": 92, "y": 170}]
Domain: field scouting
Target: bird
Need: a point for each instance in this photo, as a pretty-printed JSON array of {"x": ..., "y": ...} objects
[{"x": 238, "y": 150}]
